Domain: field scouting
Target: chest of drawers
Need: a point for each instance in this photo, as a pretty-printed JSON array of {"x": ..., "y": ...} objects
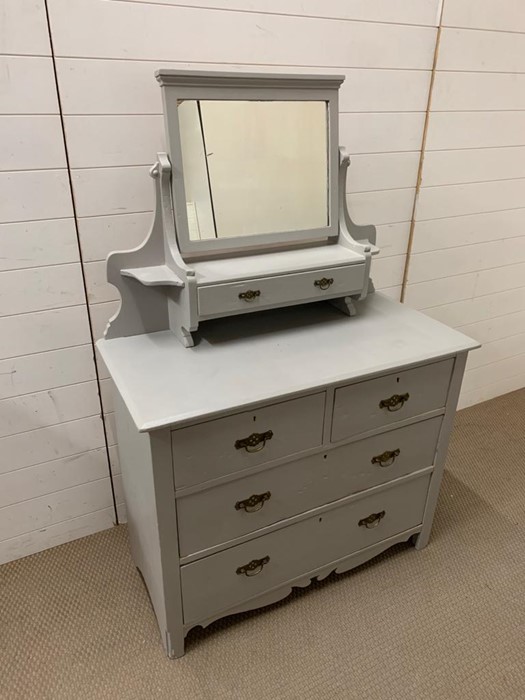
[{"x": 278, "y": 450}]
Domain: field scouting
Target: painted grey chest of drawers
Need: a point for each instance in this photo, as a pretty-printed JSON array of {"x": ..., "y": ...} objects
[{"x": 283, "y": 446}]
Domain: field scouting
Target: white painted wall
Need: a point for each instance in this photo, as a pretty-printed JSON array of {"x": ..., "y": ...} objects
[
  {"x": 468, "y": 263},
  {"x": 54, "y": 479}
]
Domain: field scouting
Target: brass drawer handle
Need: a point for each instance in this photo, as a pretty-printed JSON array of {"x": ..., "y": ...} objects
[
  {"x": 254, "y": 442},
  {"x": 395, "y": 402},
  {"x": 254, "y": 567},
  {"x": 372, "y": 520},
  {"x": 250, "y": 295},
  {"x": 324, "y": 282},
  {"x": 387, "y": 458},
  {"x": 254, "y": 503}
]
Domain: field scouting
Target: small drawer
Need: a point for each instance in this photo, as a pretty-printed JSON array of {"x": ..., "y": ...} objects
[
  {"x": 226, "y": 445},
  {"x": 221, "y": 514},
  {"x": 228, "y": 578},
  {"x": 386, "y": 400},
  {"x": 250, "y": 295}
]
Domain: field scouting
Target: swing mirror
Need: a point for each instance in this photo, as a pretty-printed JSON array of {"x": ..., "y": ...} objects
[{"x": 253, "y": 167}]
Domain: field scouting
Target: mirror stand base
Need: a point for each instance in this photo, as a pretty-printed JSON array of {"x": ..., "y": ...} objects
[
  {"x": 184, "y": 336},
  {"x": 346, "y": 305}
]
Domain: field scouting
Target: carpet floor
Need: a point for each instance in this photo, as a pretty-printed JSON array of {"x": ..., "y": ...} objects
[{"x": 446, "y": 622}]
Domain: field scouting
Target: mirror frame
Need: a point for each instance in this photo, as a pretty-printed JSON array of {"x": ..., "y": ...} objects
[{"x": 199, "y": 85}]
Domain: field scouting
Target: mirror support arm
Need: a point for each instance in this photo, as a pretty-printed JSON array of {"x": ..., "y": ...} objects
[
  {"x": 366, "y": 235},
  {"x": 158, "y": 289},
  {"x": 182, "y": 303}
]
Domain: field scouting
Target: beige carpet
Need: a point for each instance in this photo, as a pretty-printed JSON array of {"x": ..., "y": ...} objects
[{"x": 447, "y": 622}]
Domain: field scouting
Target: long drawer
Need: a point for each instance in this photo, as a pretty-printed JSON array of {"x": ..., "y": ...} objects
[
  {"x": 222, "y": 580},
  {"x": 381, "y": 402},
  {"x": 220, "y": 299},
  {"x": 226, "y": 445},
  {"x": 222, "y": 513}
]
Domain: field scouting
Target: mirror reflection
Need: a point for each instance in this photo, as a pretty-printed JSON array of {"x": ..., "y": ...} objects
[{"x": 254, "y": 167}]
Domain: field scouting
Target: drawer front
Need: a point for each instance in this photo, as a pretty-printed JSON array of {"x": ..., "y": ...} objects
[
  {"x": 386, "y": 400},
  {"x": 219, "y": 582},
  {"x": 219, "y": 299},
  {"x": 225, "y": 512},
  {"x": 226, "y": 445}
]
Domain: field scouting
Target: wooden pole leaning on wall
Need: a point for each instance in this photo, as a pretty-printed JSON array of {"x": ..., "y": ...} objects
[{"x": 421, "y": 159}]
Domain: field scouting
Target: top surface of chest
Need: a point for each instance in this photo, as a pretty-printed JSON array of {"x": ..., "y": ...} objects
[{"x": 244, "y": 360}]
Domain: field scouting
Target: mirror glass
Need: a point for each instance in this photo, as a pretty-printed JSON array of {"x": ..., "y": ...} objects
[{"x": 253, "y": 167}]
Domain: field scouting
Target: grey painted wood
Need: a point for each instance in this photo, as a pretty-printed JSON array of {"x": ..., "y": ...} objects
[
  {"x": 351, "y": 233},
  {"x": 146, "y": 307},
  {"x": 147, "y": 479},
  {"x": 281, "y": 591},
  {"x": 287, "y": 366},
  {"x": 281, "y": 461},
  {"x": 421, "y": 389},
  {"x": 210, "y": 517},
  {"x": 155, "y": 276},
  {"x": 442, "y": 447},
  {"x": 172, "y": 303},
  {"x": 188, "y": 389},
  {"x": 159, "y": 281},
  {"x": 249, "y": 360},
  {"x": 180, "y": 85},
  {"x": 247, "y": 267},
  {"x": 208, "y": 450},
  {"x": 290, "y": 289},
  {"x": 209, "y": 79},
  {"x": 143, "y": 309},
  {"x": 307, "y": 545},
  {"x": 299, "y": 517}
]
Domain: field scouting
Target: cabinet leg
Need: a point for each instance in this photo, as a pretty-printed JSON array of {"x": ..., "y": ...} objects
[
  {"x": 184, "y": 336},
  {"x": 346, "y": 305},
  {"x": 420, "y": 540},
  {"x": 174, "y": 644}
]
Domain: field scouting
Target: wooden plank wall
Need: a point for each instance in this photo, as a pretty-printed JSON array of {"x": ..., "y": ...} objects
[
  {"x": 467, "y": 266},
  {"x": 54, "y": 478}
]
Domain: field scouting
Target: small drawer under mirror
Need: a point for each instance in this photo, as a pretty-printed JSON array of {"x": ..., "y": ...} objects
[{"x": 243, "y": 297}]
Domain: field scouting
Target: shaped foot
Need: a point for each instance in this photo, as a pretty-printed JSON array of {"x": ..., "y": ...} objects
[
  {"x": 346, "y": 305},
  {"x": 184, "y": 336}
]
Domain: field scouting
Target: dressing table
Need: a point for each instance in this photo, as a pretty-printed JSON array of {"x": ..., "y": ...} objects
[{"x": 277, "y": 419}]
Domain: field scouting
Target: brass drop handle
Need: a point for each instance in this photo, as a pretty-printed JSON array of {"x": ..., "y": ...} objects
[
  {"x": 254, "y": 503},
  {"x": 254, "y": 442},
  {"x": 372, "y": 520},
  {"x": 387, "y": 458},
  {"x": 250, "y": 295},
  {"x": 395, "y": 402},
  {"x": 324, "y": 282},
  {"x": 254, "y": 567}
]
